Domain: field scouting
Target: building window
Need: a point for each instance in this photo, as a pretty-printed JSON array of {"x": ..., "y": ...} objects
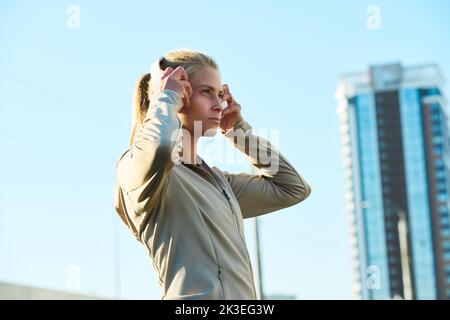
[
  {"x": 437, "y": 139},
  {"x": 442, "y": 197},
  {"x": 440, "y": 174},
  {"x": 442, "y": 187},
  {"x": 444, "y": 222},
  {"x": 437, "y": 150},
  {"x": 446, "y": 245},
  {"x": 435, "y": 116}
]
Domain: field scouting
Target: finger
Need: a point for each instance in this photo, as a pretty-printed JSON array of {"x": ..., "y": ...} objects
[
  {"x": 183, "y": 75},
  {"x": 188, "y": 87},
  {"x": 186, "y": 99},
  {"x": 233, "y": 101},
  {"x": 232, "y": 109},
  {"x": 226, "y": 88},
  {"x": 179, "y": 73},
  {"x": 227, "y": 94},
  {"x": 166, "y": 72},
  {"x": 225, "y": 112},
  {"x": 227, "y": 98},
  {"x": 187, "y": 92}
]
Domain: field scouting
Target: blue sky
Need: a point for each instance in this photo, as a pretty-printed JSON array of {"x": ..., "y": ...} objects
[{"x": 65, "y": 114}]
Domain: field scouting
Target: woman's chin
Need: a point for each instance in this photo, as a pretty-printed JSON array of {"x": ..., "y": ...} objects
[{"x": 210, "y": 132}]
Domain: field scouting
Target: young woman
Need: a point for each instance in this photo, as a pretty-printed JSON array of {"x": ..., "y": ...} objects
[{"x": 190, "y": 216}]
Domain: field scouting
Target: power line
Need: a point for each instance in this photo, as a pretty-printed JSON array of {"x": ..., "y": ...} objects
[
  {"x": 51, "y": 152},
  {"x": 96, "y": 171},
  {"x": 91, "y": 117},
  {"x": 87, "y": 114}
]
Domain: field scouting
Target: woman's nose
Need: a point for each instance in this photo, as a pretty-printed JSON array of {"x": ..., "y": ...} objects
[{"x": 218, "y": 104}]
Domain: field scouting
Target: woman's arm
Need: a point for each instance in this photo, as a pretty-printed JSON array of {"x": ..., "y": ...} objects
[
  {"x": 142, "y": 169},
  {"x": 277, "y": 186}
]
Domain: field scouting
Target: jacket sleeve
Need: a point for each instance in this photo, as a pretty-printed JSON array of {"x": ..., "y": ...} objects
[
  {"x": 143, "y": 169},
  {"x": 278, "y": 185}
]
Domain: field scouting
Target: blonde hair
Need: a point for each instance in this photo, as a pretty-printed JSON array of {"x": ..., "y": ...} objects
[{"x": 192, "y": 62}]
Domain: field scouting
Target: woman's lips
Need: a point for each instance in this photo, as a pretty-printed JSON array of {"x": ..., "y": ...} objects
[{"x": 217, "y": 120}]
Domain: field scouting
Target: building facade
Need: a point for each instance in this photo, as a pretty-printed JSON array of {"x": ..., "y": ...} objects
[{"x": 396, "y": 151}]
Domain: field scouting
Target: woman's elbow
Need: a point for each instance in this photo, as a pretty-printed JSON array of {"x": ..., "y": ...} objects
[
  {"x": 307, "y": 191},
  {"x": 303, "y": 190}
]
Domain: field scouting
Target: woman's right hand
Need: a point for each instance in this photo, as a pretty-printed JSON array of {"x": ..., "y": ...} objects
[{"x": 177, "y": 80}]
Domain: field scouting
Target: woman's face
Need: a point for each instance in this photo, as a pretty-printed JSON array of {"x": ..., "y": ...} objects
[{"x": 205, "y": 103}]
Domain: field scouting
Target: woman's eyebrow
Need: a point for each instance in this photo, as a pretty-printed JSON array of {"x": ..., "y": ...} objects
[{"x": 209, "y": 87}]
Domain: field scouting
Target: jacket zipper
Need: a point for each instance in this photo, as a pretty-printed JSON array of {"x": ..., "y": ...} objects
[
  {"x": 237, "y": 228},
  {"x": 219, "y": 273},
  {"x": 242, "y": 240}
]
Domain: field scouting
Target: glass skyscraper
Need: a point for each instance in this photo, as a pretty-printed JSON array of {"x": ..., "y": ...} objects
[{"x": 396, "y": 150}]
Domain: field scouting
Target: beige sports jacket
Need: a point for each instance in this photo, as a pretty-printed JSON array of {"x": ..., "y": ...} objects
[{"x": 189, "y": 217}]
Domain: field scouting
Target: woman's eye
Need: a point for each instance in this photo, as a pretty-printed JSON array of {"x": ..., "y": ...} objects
[{"x": 209, "y": 92}]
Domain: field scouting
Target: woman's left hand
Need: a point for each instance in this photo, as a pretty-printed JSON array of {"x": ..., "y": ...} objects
[{"x": 232, "y": 113}]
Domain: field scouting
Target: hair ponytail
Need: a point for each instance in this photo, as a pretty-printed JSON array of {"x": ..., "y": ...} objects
[{"x": 140, "y": 104}]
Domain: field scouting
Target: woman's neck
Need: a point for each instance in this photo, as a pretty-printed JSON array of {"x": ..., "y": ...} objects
[{"x": 189, "y": 152}]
